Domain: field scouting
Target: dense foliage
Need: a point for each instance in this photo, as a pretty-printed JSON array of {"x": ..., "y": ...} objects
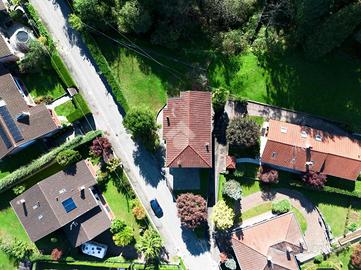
[
  {"x": 113, "y": 165},
  {"x": 314, "y": 179},
  {"x": 192, "y": 210},
  {"x": 232, "y": 189},
  {"x": 36, "y": 59},
  {"x": 138, "y": 210},
  {"x": 219, "y": 98},
  {"x": 67, "y": 157},
  {"x": 56, "y": 254},
  {"x": 356, "y": 256},
  {"x": 243, "y": 132},
  {"x": 150, "y": 244},
  {"x": 281, "y": 207},
  {"x": 268, "y": 175},
  {"x": 16, "y": 250},
  {"x": 122, "y": 234},
  {"x": 222, "y": 215},
  {"x": 101, "y": 147}
]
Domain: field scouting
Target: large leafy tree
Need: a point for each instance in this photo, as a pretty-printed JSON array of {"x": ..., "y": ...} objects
[
  {"x": 150, "y": 244},
  {"x": 36, "y": 59},
  {"x": 124, "y": 237},
  {"x": 192, "y": 210},
  {"x": 101, "y": 147},
  {"x": 222, "y": 215},
  {"x": 243, "y": 132},
  {"x": 94, "y": 12},
  {"x": 314, "y": 179}
]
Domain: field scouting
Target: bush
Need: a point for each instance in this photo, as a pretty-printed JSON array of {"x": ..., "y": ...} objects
[
  {"x": 232, "y": 189},
  {"x": 17, "y": 250},
  {"x": 102, "y": 177},
  {"x": 35, "y": 60},
  {"x": 192, "y": 210},
  {"x": 124, "y": 237},
  {"x": 356, "y": 256},
  {"x": 219, "y": 98},
  {"x": 113, "y": 164},
  {"x": 117, "y": 226},
  {"x": 20, "y": 175},
  {"x": 232, "y": 42},
  {"x": 19, "y": 189},
  {"x": 44, "y": 99},
  {"x": 318, "y": 259},
  {"x": 222, "y": 215},
  {"x": 314, "y": 179},
  {"x": 54, "y": 240},
  {"x": 105, "y": 70},
  {"x": 67, "y": 157},
  {"x": 101, "y": 147},
  {"x": 230, "y": 264},
  {"x": 281, "y": 207},
  {"x": 138, "y": 210},
  {"x": 268, "y": 175},
  {"x": 81, "y": 109},
  {"x": 243, "y": 132},
  {"x": 352, "y": 227},
  {"x": 61, "y": 69},
  {"x": 56, "y": 254}
]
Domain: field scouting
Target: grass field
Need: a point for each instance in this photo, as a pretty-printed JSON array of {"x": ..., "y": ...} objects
[
  {"x": 44, "y": 84},
  {"x": 74, "y": 109},
  {"x": 329, "y": 87}
]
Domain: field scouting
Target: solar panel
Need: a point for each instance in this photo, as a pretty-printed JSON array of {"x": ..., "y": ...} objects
[
  {"x": 69, "y": 205},
  {"x": 10, "y": 123}
]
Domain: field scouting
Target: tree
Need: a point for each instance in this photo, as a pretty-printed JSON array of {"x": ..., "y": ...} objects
[
  {"x": 314, "y": 179},
  {"x": 76, "y": 22},
  {"x": 232, "y": 42},
  {"x": 150, "y": 244},
  {"x": 117, "y": 226},
  {"x": 219, "y": 98},
  {"x": 281, "y": 207},
  {"x": 232, "y": 189},
  {"x": 131, "y": 17},
  {"x": 192, "y": 210},
  {"x": 267, "y": 175},
  {"x": 67, "y": 157},
  {"x": 222, "y": 215},
  {"x": 356, "y": 256},
  {"x": 124, "y": 237},
  {"x": 19, "y": 189},
  {"x": 56, "y": 254},
  {"x": 113, "y": 164},
  {"x": 93, "y": 12},
  {"x": 17, "y": 249},
  {"x": 36, "y": 59},
  {"x": 243, "y": 132},
  {"x": 138, "y": 210},
  {"x": 101, "y": 147}
]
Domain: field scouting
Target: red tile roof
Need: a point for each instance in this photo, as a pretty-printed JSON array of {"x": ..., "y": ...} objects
[
  {"x": 231, "y": 162},
  {"x": 187, "y": 130},
  {"x": 331, "y": 154},
  {"x": 269, "y": 240}
]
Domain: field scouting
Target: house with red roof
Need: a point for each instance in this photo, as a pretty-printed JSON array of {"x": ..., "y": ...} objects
[
  {"x": 301, "y": 148},
  {"x": 187, "y": 130}
]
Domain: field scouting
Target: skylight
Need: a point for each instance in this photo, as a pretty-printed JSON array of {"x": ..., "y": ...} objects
[
  {"x": 303, "y": 134},
  {"x": 69, "y": 205},
  {"x": 283, "y": 129}
]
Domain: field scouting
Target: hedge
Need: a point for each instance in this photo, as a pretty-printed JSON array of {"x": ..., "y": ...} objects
[
  {"x": 105, "y": 70},
  {"x": 81, "y": 109},
  {"x": 62, "y": 70},
  {"x": 20, "y": 175}
]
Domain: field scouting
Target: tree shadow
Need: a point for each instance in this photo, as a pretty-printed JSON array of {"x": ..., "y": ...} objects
[{"x": 195, "y": 245}]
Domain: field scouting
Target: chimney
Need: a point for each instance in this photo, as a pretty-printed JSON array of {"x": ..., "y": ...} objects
[
  {"x": 289, "y": 253},
  {"x": 207, "y": 147},
  {"x": 23, "y": 117},
  {"x": 82, "y": 192},
  {"x": 22, "y": 201},
  {"x": 168, "y": 121},
  {"x": 269, "y": 262},
  {"x": 302, "y": 243}
]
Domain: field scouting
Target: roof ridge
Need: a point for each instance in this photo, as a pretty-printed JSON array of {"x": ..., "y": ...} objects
[
  {"x": 199, "y": 155},
  {"x": 265, "y": 256},
  {"x": 47, "y": 200}
]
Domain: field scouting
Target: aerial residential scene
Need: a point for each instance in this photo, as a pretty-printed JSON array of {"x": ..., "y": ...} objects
[{"x": 180, "y": 134}]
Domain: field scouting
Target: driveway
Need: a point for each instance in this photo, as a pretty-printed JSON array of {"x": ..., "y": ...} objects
[
  {"x": 315, "y": 234},
  {"x": 142, "y": 168}
]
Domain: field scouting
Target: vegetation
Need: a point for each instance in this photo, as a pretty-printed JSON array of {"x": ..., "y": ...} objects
[
  {"x": 124, "y": 236},
  {"x": 67, "y": 157},
  {"x": 17, "y": 249},
  {"x": 232, "y": 189},
  {"x": 230, "y": 264},
  {"x": 356, "y": 256},
  {"x": 150, "y": 244},
  {"x": 222, "y": 216},
  {"x": 192, "y": 210},
  {"x": 314, "y": 179},
  {"x": 101, "y": 147},
  {"x": 268, "y": 175},
  {"x": 19, "y": 189},
  {"x": 219, "y": 98},
  {"x": 138, "y": 210},
  {"x": 35, "y": 60},
  {"x": 113, "y": 165},
  {"x": 56, "y": 254},
  {"x": 243, "y": 132},
  {"x": 281, "y": 207},
  {"x": 62, "y": 70}
]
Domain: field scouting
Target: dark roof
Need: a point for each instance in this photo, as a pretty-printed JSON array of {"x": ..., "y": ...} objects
[
  {"x": 31, "y": 122},
  {"x": 2, "y": 6},
  {"x": 187, "y": 129},
  {"x": 287, "y": 146},
  {"x": 4, "y": 48},
  {"x": 269, "y": 240},
  {"x": 41, "y": 208}
]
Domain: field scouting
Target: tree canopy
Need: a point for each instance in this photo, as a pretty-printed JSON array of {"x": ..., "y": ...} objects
[
  {"x": 222, "y": 215},
  {"x": 243, "y": 132},
  {"x": 150, "y": 244},
  {"x": 192, "y": 210}
]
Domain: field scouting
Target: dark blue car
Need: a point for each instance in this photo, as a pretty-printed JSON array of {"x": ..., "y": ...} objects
[{"x": 156, "y": 208}]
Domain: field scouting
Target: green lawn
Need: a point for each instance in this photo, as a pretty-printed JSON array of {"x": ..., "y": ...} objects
[
  {"x": 329, "y": 87},
  {"x": 44, "y": 84},
  {"x": 73, "y": 109},
  {"x": 6, "y": 263},
  {"x": 300, "y": 219}
]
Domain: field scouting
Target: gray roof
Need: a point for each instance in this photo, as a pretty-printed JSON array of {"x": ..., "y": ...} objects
[
  {"x": 41, "y": 210},
  {"x": 36, "y": 123},
  {"x": 2, "y": 6}
]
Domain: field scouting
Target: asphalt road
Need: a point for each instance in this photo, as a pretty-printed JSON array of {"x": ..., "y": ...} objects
[{"x": 142, "y": 168}]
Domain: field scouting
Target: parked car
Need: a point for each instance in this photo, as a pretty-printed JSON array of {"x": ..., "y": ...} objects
[
  {"x": 156, "y": 208},
  {"x": 94, "y": 249}
]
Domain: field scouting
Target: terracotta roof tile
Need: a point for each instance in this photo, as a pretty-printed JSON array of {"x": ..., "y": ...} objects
[
  {"x": 187, "y": 129},
  {"x": 231, "y": 162}
]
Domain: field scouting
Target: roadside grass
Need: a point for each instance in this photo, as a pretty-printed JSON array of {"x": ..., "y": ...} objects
[
  {"x": 328, "y": 87},
  {"x": 73, "y": 109},
  {"x": 46, "y": 83}
]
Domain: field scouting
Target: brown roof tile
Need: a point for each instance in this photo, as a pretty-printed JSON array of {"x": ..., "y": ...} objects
[
  {"x": 4, "y": 48},
  {"x": 189, "y": 133}
]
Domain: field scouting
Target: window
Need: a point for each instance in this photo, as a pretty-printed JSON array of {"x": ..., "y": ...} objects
[
  {"x": 303, "y": 134},
  {"x": 274, "y": 154},
  {"x": 69, "y": 205},
  {"x": 318, "y": 137}
]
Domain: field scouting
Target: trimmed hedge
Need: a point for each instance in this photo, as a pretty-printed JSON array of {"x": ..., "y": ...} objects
[
  {"x": 105, "y": 70},
  {"x": 81, "y": 109},
  {"x": 62, "y": 70},
  {"x": 281, "y": 207},
  {"x": 21, "y": 174}
]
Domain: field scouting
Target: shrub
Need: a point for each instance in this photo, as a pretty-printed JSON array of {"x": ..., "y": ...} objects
[
  {"x": 243, "y": 132},
  {"x": 62, "y": 70},
  {"x": 124, "y": 237},
  {"x": 117, "y": 226},
  {"x": 281, "y": 207},
  {"x": 352, "y": 227},
  {"x": 232, "y": 42},
  {"x": 54, "y": 240},
  {"x": 101, "y": 147},
  {"x": 36, "y": 59},
  {"x": 56, "y": 254},
  {"x": 222, "y": 215},
  {"x": 44, "y": 99},
  {"x": 268, "y": 175},
  {"x": 230, "y": 264},
  {"x": 138, "y": 210},
  {"x": 356, "y": 256},
  {"x": 102, "y": 177},
  {"x": 314, "y": 179},
  {"x": 232, "y": 189},
  {"x": 67, "y": 157},
  {"x": 113, "y": 164},
  {"x": 192, "y": 210},
  {"x": 219, "y": 98},
  {"x": 150, "y": 244},
  {"x": 17, "y": 249},
  {"x": 318, "y": 259},
  {"x": 19, "y": 189},
  {"x": 21, "y": 174}
]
